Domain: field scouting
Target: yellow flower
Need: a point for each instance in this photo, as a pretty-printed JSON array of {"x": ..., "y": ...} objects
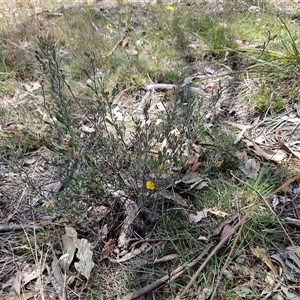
[
  {"x": 218, "y": 163},
  {"x": 48, "y": 205},
  {"x": 89, "y": 4},
  {"x": 150, "y": 185},
  {"x": 170, "y": 7}
]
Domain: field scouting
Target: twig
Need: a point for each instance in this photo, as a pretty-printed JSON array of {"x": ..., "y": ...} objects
[
  {"x": 226, "y": 262},
  {"x": 111, "y": 52},
  {"x": 167, "y": 278},
  {"x": 214, "y": 251},
  {"x": 283, "y": 186},
  {"x": 165, "y": 86},
  {"x": 180, "y": 270},
  {"x": 13, "y": 227},
  {"x": 265, "y": 201}
]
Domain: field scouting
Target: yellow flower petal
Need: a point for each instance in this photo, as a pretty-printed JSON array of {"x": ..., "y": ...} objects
[
  {"x": 170, "y": 7},
  {"x": 218, "y": 163},
  {"x": 48, "y": 205},
  {"x": 150, "y": 185}
]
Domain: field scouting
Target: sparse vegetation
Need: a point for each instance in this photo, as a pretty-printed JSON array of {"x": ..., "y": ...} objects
[{"x": 138, "y": 140}]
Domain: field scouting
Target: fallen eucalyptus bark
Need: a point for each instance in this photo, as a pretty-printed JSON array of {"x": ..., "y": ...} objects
[{"x": 131, "y": 211}]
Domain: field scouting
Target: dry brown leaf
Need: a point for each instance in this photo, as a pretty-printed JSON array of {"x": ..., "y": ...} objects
[
  {"x": 132, "y": 52},
  {"x": 166, "y": 258},
  {"x": 72, "y": 233},
  {"x": 261, "y": 253},
  {"x": 124, "y": 42},
  {"x": 13, "y": 128},
  {"x": 199, "y": 216},
  {"x": 174, "y": 196},
  {"x": 203, "y": 214},
  {"x": 108, "y": 247},
  {"x": 217, "y": 212},
  {"x": 269, "y": 154},
  {"x": 240, "y": 155},
  {"x": 192, "y": 160},
  {"x": 239, "y": 136},
  {"x": 270, "y": 280},
  {"x": 239, "y": 126},
  {"x": 220, "y": 226},
  {"x": 101, "y": 212},
  {"x": 227, "y": 229},
  {"x": 131, "y": 212},
  {"x": 294, "y": 150},
  {"x": 31, "y": 160},
  {"x": 133, "y": 253},
  {"x": 251, "y": 168},
  {"x": 195, "y": 166},
  {"x": 194, "y": 180},
  {"x": 196, "y": 148}
]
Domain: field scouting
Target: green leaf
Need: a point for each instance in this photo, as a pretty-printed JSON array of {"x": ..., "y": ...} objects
[
  {"x": 109, "y": 122},
  {"x": 54, "y": 54}
]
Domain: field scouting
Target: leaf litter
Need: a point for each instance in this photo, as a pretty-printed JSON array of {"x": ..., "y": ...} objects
[{"x": 204, "y": 213}]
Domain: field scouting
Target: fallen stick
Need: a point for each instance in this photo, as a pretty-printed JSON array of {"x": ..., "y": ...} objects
[
  {"x": 17, "y": 227},
  {"x": 111, "y": 52},
  {"x": 167, "y": 278},
  {"x": 221, "y": 243},
  {"x": 265, "y": 200},
  {"x": 167, "y": 87}
]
